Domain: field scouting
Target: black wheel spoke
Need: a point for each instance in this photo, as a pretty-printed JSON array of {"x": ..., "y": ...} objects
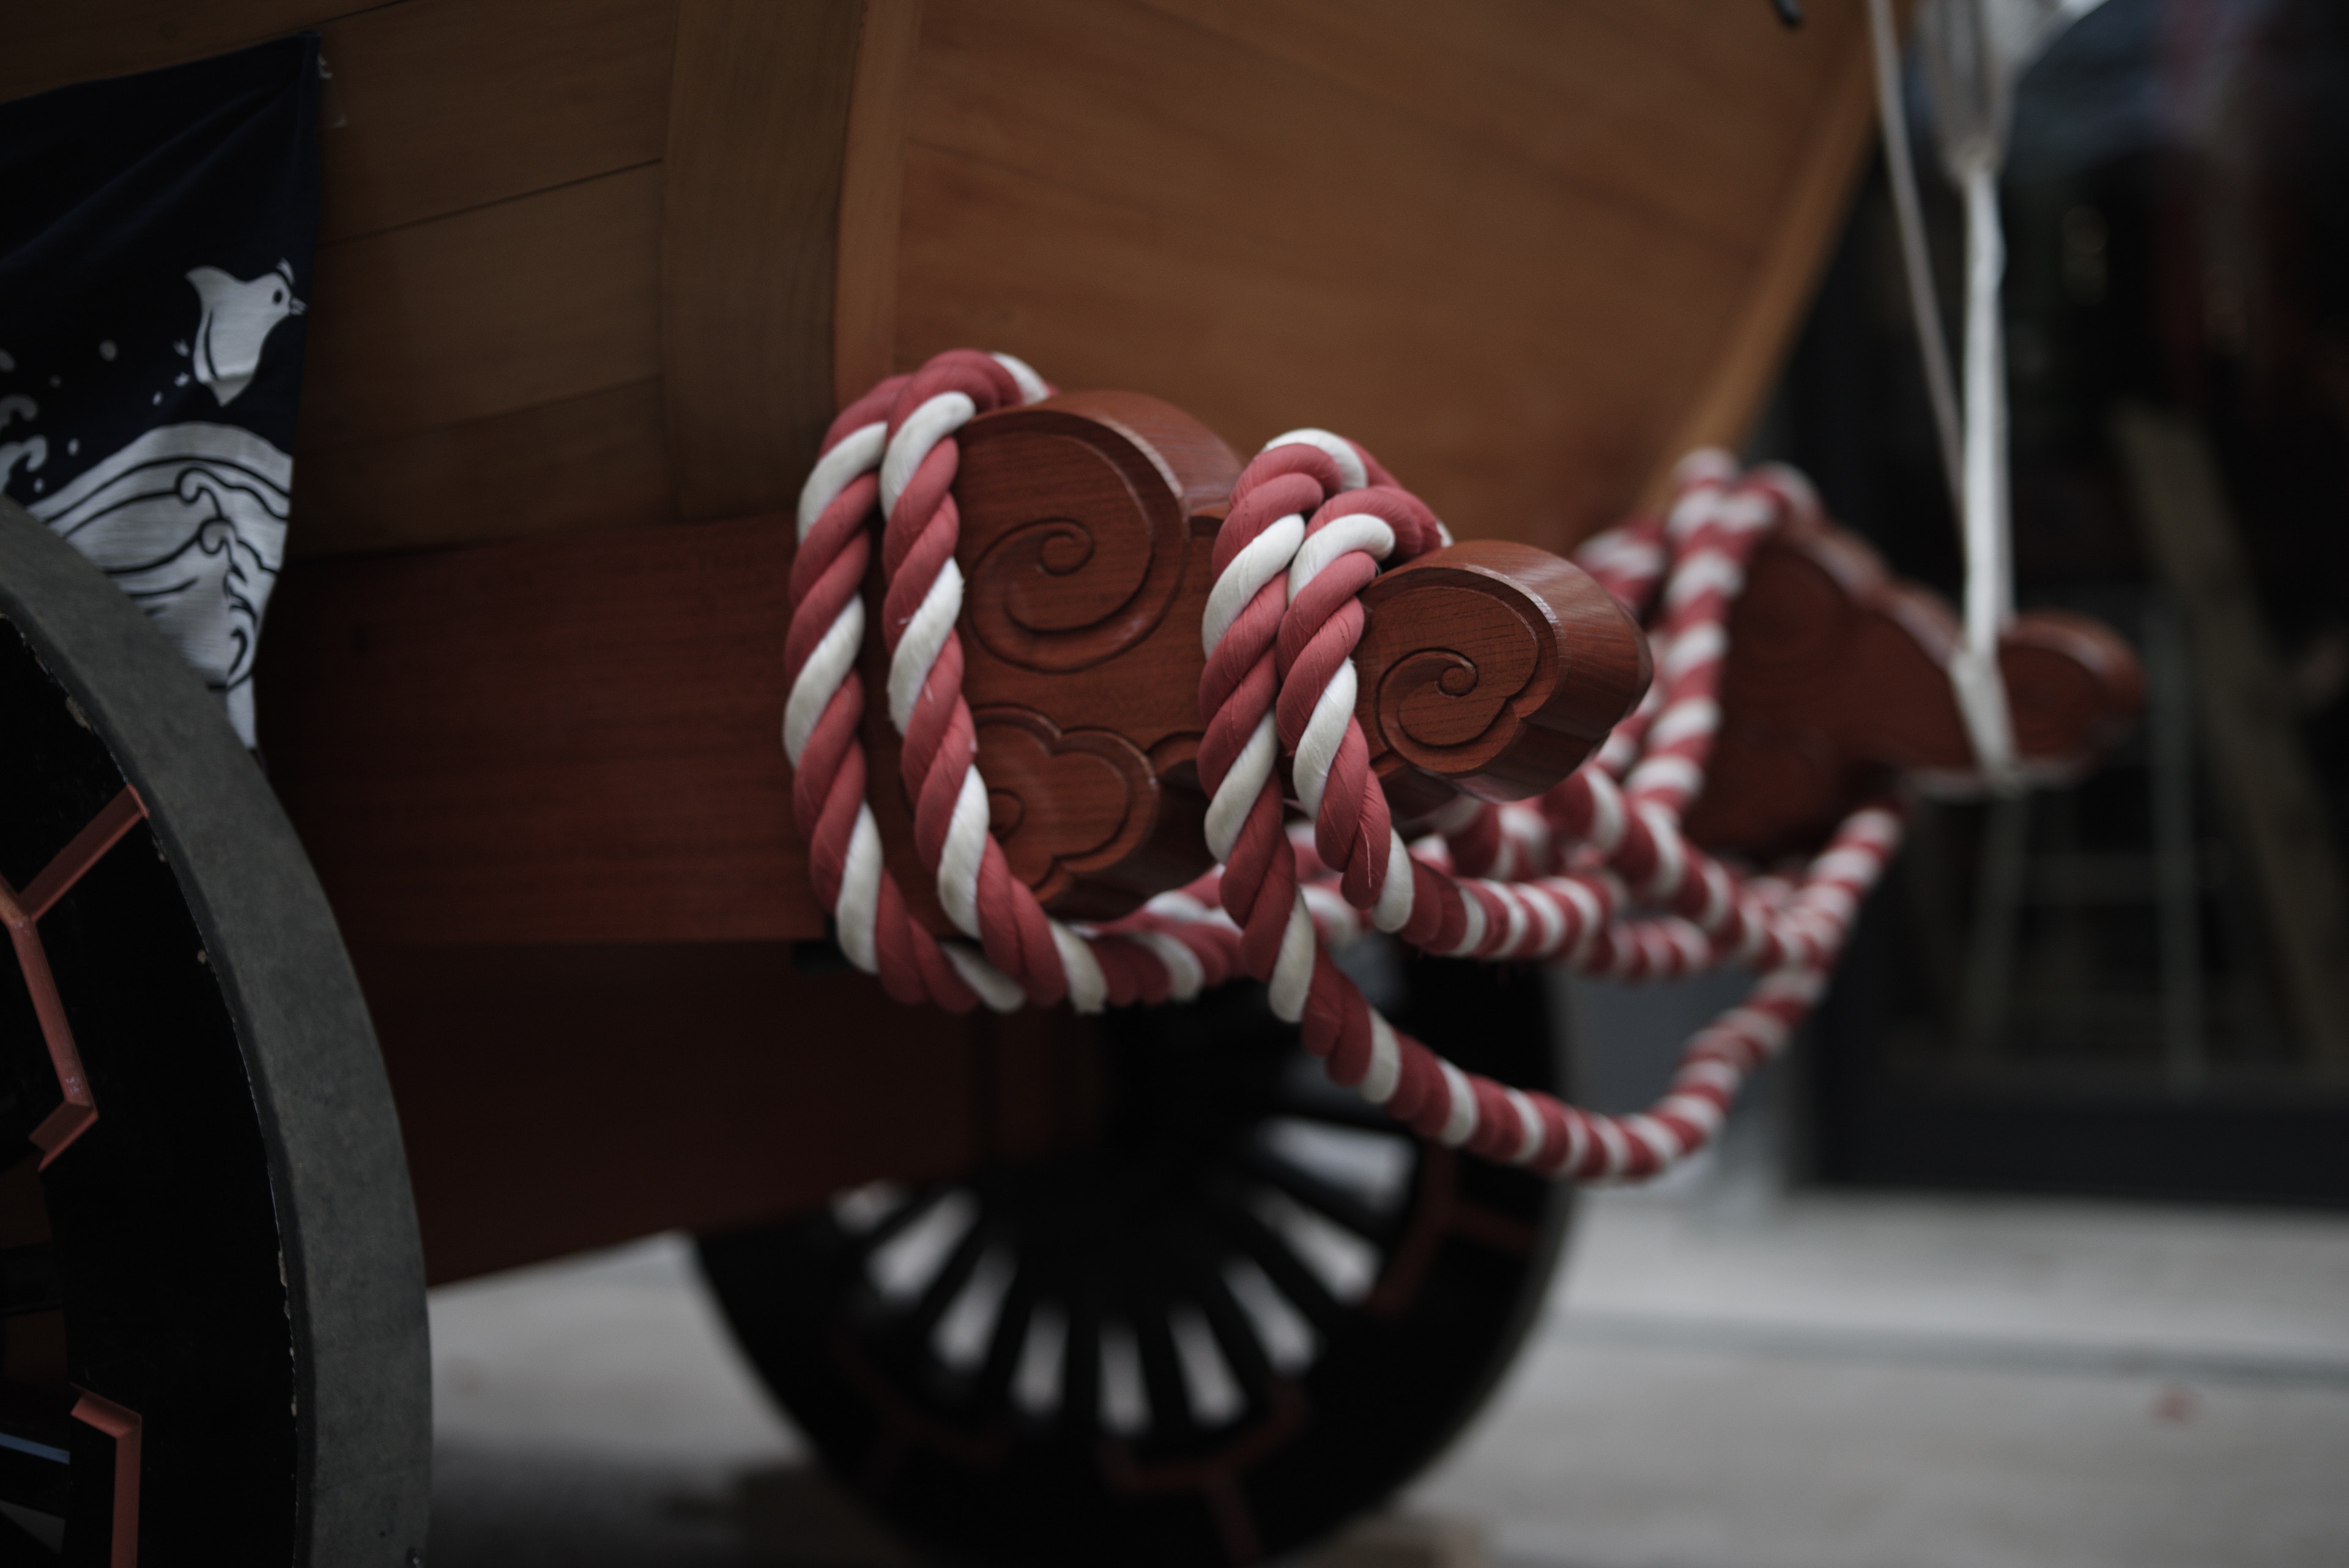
[
  {"x": 1272, "y": 1253},
  {"x": 1236, "y": 1335},
  {"x": 1323, "y": 1198},
  {"x": 1006, "y": 1341},
  {"x": 1081, "y": 1364},
  {"x": 948, "y": 1282},
  {"x": 885, "y": 1230},
  {"x": 1161, "y": 1370}
]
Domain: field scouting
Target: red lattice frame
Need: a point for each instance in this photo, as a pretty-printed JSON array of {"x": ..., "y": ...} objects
[
  {"x": 22, "y": 912},
  {"x": 78, "y": 1112}
]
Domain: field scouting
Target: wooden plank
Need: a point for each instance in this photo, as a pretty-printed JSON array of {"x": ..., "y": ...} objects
[
  {"x": 757, "y": 123},
  {"x": 51, "y": 45},
  {"x": 2246, "y": 712},
  {"x": 487, "y": 312},
  {"x": 600, "y": 460},
  {"x": 437, "y": 106},
  {"x": 1810, "y": 215},
  {"x": 1130, "y": 197},
  {"x": 872, "y": 180},
  {"x": 552, "y": 1100},
  {"x": 1599, "y": 96},
  {"x": 569, "y": 741}
]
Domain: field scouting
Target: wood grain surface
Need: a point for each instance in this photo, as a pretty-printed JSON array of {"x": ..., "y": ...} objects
[
  {"x": 433, "y": 107},
  {"x": 598, "y": 461},
  {"x": 718, "y": 1084},
  {"x": 757, "y": 121},
  {"x": 568, "y": 739},
  {"x": 502, "y": 308},
  {"x": 483, "y": 366},
  {"x": 871, "y": 179},
  {"x": 1525, "y": 252},
  {"x": 1493, "y": 669},
  {"x": 53, "y": 46}
]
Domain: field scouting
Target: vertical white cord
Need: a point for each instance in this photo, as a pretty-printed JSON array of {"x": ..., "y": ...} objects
[
  {"x": 1923, "y": 299},
  {"x": 1973, "y": 449},
  {"x": 1990, "y": 571}
]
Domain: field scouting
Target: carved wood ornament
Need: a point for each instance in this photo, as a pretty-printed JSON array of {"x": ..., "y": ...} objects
[
  {"x": 1838, "y": 675},
  {"x": 1488, "y": 669},
  {"x": 1087, "y": 525}
]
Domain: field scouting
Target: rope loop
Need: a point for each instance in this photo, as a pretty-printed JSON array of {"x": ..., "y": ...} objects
[{"x": 1595, "y": 874}]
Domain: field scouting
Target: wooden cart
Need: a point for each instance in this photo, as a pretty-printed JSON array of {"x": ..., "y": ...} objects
[{"x": 594, "y": 275}]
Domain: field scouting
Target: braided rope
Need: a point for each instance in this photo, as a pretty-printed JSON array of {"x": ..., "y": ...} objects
[
  {"x": 1278, "y": 667},
  {"x": 1312, "y": 520},
  {"x": 894, "y": 448}
]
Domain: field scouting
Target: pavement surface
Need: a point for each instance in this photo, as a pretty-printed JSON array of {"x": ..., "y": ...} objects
[{"x": 1801, "y": 1382}]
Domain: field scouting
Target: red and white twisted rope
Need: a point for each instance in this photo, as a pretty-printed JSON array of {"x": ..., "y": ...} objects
[
  {"x": 895, "y": 449},
  {"x": 1279, "y": 654},
  {"x": 1312, "y": 520}
]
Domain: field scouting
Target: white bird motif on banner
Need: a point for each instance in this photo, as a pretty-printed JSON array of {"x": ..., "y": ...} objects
[{"x": 237, "y": 318}]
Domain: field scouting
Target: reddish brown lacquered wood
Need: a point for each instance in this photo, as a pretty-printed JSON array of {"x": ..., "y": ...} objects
[
  {"x": 569, "y": 740},
  {"x": 126, "y": 1427},
  {"x": 555, "y": 1098},
  {"x": 1491, "y": 668},
  {"x": 1838, "y": 674},
  {"x": 1087, "y": 524}
]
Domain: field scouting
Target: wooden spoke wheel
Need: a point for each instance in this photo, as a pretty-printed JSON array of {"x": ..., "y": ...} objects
[
  {"x": 1249, "y": 1310},
  {"x": 212, "y": 1318}
]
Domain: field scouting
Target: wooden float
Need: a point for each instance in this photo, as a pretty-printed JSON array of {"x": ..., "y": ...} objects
[{"x": 594, "y": 275}]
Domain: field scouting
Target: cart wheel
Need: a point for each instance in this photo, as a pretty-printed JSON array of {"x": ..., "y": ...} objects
[
  {"x": 1248, "y": 1312},
  {"x": 212, "y": 1305}
]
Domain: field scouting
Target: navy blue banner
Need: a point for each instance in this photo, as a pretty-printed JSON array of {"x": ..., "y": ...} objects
[{"x": 155, "y": 252}]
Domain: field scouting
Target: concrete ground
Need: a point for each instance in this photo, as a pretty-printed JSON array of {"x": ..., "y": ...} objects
[{"x": 1814, "y": 1381}]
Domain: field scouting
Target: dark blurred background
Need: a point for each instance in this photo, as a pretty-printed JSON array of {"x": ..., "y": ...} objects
[{"x": 2132, "y": 986}]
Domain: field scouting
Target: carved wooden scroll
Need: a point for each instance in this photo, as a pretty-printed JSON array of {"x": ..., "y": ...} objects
[
  {"x": 1837, "y": 673},
  {"x": 1493, "y": 669},
  {"x": 1088, "y": 528}
]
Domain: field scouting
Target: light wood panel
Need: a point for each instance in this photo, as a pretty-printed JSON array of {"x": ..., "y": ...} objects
[
  {"x": 1382, "y": 232},
  {"x": 600, "y": 460},
  {"x": 436, "y": 106},
  {"x": 871, "y": 176},
  {"x": 1678, "y": 109},
  {"x": 531, "y": 301},
  {"x": 1808, "y": 216},
  {"x": 51, "y": 44},
  {"x": 759, "y": 119}
]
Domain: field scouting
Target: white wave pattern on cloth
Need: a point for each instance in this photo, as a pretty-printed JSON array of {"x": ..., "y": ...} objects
[{"x": 190, "y": 521}]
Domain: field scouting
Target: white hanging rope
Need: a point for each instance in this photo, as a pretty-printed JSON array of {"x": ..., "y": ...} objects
[
  {"x": 1989, "y": 530},
  {"x": 1974, "y": 450},
  {"x": 1923, "y": 301}
]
